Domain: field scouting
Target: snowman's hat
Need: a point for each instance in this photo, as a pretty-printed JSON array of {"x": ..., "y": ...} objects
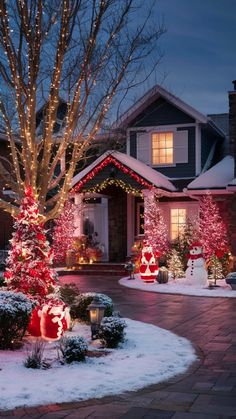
[{"x": 195, "y": 244}]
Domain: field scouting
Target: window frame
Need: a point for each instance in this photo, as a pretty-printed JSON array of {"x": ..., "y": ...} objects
[
  {"x": 164, "y": 133},
  {"x": 177, "y": 208}
]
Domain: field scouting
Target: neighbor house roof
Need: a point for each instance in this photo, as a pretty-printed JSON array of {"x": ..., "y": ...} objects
[{"x": 153, "y": 177}]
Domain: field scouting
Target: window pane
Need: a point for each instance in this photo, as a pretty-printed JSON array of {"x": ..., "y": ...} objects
[{"x": 162, "y": 148}]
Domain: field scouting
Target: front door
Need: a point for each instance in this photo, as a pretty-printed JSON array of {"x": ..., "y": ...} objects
[{"x": 95, "y": 224}]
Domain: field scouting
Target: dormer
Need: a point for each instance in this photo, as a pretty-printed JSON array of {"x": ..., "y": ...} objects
[{"x": 169, "y": 135}]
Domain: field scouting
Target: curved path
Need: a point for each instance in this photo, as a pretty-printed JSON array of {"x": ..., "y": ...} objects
[{"x": 207, "y": 391}]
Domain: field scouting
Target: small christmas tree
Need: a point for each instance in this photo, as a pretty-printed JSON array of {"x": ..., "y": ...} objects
[
  {"x": 28, "y": 264},
  {"x": 175, "y": 265},
  {"x": 212, "y": 229},
  {"x": 155, "y": 229},
  {"x": 215, "y": 268},
  {"x": 63, "y": 232},
  {"x": 188, "y": 235}
]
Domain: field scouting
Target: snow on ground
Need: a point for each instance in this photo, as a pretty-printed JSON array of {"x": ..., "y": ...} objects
[
  {"x": 180, "y": 286},
  {"x": 149, "y": 355}
]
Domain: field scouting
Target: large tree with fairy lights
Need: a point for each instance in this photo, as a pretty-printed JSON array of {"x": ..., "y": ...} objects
[
  {"x": 63, "y": 232},
  {"x": 81, "y": 54},
  {"x": 212, "y": 229},
  {"x": 30, "y": 258},
  {"x": 155, "y": 229}
]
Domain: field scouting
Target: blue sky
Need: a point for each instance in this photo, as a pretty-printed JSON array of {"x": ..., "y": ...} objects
[{"x": 199, "y": 47}]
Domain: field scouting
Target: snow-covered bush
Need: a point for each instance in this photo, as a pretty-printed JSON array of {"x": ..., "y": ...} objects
[
  {"x": 68, "y": 293},
  {"x": 111, "y": 331},
  {"x": 15, "y": 312},
  {"x": 81, "y": 303},
  {"x": 73, "y": 349}
]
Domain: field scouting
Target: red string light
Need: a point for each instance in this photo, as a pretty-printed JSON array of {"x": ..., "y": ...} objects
[{"x": 119, "y": 165}]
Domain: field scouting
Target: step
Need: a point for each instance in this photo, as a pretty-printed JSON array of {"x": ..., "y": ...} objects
[{"x": 112, "y": 269}]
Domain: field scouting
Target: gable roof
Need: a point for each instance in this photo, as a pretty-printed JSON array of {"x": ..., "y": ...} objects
[
  {"x": 135, "y": 166},
  {"x": 153, "y": 94},
  {"x": 217, "y": 177}
]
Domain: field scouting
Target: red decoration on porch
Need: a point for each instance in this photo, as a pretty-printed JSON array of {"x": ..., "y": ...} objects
[
  {"x": 50, "y": 320},
  {"x": 119, "y": 165},
  {"x": 149, "y": 266}
]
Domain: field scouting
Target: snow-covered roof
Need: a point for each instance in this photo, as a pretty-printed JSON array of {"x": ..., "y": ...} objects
[
  {"x": 218, "y": 176},
  {"x": 150, "y": 97},
  {"x": 155, "y": 178}
]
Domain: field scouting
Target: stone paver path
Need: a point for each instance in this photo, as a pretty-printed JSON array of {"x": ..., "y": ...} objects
[{"x": 206, "y": 391}]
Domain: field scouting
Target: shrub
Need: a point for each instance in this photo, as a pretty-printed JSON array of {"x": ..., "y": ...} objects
[
  {"x": 15, "y": 312},
  {"x": 73, "y": 349},
  {"x": 35, "y": 357},
  {"x": 2, "y": 281},
  {"x": 68, "y": 293},
  {"x": 111, "y": 331},
  {"x": 79, "y": 308}
]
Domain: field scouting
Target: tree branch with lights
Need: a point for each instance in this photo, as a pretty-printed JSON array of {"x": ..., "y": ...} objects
[{"x": 86, "y": 54}]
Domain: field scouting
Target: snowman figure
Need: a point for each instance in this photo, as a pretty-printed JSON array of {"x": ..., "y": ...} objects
[
  {"x": 196, "y": 272},
  {"x": 148, "y": 267}
]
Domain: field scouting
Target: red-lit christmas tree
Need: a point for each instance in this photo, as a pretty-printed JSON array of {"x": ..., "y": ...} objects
[
  {"x": 212, "y": 229},
  {"x": 155, "y": 229},
  {"x": 28, "y": 264},
  {"x": 63, "y": 232}
]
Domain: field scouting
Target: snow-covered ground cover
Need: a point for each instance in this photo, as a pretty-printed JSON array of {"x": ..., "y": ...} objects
[
  {"x": 149, "y": 355},
  {"x": 181, "y": 286}
]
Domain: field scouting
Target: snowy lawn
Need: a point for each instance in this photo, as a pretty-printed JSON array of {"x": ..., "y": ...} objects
[
  {"x": 180, "y": 286},
  {"x": 149, "y": 355}
]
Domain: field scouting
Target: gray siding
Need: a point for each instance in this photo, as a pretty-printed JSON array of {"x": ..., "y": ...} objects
[
  {"x": 133, "y": 143},
  {"x": 207, "y": 141},
  {"x": 181, "y": 169},
  {"x": 161, "y": 112}
]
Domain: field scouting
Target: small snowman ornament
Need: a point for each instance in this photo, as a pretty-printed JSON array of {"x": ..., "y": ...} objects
[{"x": 196, "y": 272}]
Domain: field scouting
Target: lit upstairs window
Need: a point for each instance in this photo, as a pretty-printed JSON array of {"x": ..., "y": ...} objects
[
  {"x": 177, "y": 221},
  {"x": 162, "y": 148}
]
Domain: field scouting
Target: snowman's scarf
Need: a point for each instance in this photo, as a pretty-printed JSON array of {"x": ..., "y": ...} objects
[{"x": 193, "y": 257}]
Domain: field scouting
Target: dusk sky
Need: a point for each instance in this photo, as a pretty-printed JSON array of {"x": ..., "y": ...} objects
[{"x": 199, "y": 49}]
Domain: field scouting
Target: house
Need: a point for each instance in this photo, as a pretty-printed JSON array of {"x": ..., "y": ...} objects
[{"x": 170, "y": 148}]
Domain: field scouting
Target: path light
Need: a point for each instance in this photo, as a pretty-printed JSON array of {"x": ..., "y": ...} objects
[{"x": 96, "y": 312}]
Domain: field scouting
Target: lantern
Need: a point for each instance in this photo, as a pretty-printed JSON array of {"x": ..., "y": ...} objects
[
  {"x": 96, "y": 312},
  {"x": 148, "y": 266}
]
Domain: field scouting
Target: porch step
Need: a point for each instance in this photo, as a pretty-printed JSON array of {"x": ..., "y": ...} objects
[{"x": 106, "y": 269}]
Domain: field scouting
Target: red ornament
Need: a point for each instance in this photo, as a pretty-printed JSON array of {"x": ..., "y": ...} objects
[
  {"x": 148, "y": 267},
  {"x": 34, "y": 325},
  {"x": 41, "y": 236}
]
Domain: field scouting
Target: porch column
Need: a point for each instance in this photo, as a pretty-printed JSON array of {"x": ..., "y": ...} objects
[
  {"x": 78, "y": 215},
  {"x": 130, "y": 223}
]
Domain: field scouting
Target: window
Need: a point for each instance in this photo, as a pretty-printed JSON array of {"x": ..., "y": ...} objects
[
  {"x": 177, "y": 221},
  {"x": 162, "y": 148}
]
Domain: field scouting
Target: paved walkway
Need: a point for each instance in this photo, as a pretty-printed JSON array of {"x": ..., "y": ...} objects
[{"x": 207, "y": 391}]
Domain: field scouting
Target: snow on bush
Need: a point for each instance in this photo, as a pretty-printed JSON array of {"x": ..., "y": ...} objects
[
  {"x": 15, "y": 312},
  {"x": 79, "y": 308},
  {"x": 73, "y": 349},
  {"x": 111, "y": 331}
]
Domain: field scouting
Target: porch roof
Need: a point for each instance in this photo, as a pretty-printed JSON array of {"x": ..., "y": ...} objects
[{"x": 134, "y": 168}]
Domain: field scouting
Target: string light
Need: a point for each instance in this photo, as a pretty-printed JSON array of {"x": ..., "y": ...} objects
[
  {"x": 120, "y": 166},
  {"x": 114, "y": 182}
]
